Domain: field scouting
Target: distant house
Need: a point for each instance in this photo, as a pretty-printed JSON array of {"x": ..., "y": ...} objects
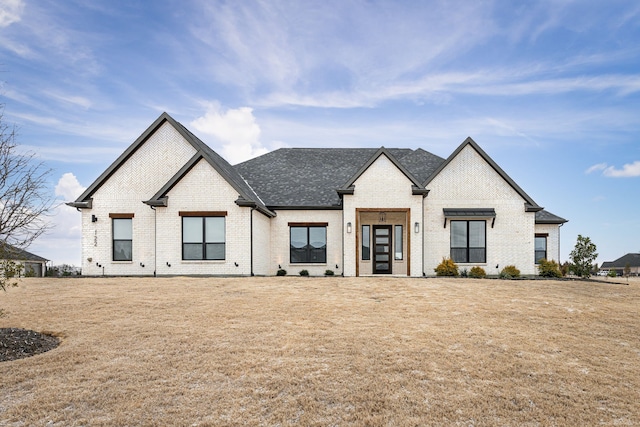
[
  {"x": 171, "y": 205},
  {"x": 32, "y": 265},
  {"x": 632, "y": 260}
]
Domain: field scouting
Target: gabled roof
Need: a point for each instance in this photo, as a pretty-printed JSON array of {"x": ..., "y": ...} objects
[
  {"x": 309, "y": 177},
  {"x": 10, "y": 252},
  {"x": 203, "y": 151},
  {"x": 632, "y": 259},
  {"x": 530, "y": 205},
  {"x": 348, "y": 186}
]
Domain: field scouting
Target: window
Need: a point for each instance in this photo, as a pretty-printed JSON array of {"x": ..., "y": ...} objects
[
  {"x": 308, "y": 243},
  {"x": 366, "y": 242},
  {"x": 541, "y": 248},
  {"x": 468, "y": 241},
  {"x": 203, "y": 237},
  {"x": 122, "y": 239},
  {"x": 398, "y": 243}
]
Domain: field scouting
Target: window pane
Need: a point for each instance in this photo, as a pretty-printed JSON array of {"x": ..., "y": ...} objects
[
  {"x": 541, "y": 243},
  {"x": 214, "y": 229},
  {"x": 191, "y": 230},
  {"x": 298, "y": 255},
  {"x": 476, "y": 234},
  {"x": 459, "y": 255},
  {"x": 366, "y": 243},
  {"x": 298, "y": 237},
  {"x": 192, "y": 251},
  {"x": 317, "y": 237},
  {"x": 477, "y": 255},
  {"x": 122, "y": 229},
  {"x": 122, "y": 250},
  {"x": 540, "y": 255},
  {"x": 398, "y": 243},
  {"x": 458, "y": 234},
  {"x": 215, "y": 250}
]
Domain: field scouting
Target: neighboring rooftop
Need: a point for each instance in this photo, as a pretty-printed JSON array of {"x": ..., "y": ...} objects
[{"x": 633, "y": 260}]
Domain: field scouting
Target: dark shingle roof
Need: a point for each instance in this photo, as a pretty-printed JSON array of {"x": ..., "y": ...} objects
[
  {"x": 11, "y": 252},
  {"x": 546, "y": 217},
  {"x": 309, "y": 177},
  {"x": 632, "y": 259}
]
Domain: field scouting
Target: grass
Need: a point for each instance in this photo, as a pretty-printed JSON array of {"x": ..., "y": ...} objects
[{"x": 287, "y": 351}]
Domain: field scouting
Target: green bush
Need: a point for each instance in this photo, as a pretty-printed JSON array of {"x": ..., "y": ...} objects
[
  {"x": 281, "y": 272},
  {"x": 447, "y": 268},
  {"x": 509, "y": 272},
  {"x": 304, "y": 273},
  {"x": 549, "y": 268},
  {"x": 328, "y": 272},
  {"x": 477, "y": 273},
  {"x": 612, "y": 273}
]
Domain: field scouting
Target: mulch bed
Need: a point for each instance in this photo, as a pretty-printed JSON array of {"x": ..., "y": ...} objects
[{"x": 18, "y": 343}]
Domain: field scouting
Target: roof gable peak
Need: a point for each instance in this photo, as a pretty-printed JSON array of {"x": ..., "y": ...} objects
[{"x": 381, "y": 151}]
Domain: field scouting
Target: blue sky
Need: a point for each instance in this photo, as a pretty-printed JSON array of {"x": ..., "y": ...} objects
[{"x": 549, "y": 89}]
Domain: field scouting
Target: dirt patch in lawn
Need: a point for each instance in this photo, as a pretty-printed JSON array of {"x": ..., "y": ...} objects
[
  {"x": 18, "y": 343},
  {"x": 327, "y": 351}
]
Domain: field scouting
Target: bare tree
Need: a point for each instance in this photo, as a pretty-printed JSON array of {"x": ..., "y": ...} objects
[{"x": 25, "y": 199}]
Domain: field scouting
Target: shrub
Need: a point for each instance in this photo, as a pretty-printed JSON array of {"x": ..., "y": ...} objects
[
  {"x": 281, "y": 272},
  {"x": 447, "y": 268},
  {"x": 549, "y": 268},
  {"x": 329, "y": 272},
  {"x": 477, "y": 273},
  {"x": 304, "y": 273},
  {"x": 612, "y": 273},
  {"x": 464, "y": 272},
  {"x": 509, "y": 272}
]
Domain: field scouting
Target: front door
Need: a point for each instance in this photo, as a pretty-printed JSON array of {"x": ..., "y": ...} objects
[{"x": 382, "y": 249}]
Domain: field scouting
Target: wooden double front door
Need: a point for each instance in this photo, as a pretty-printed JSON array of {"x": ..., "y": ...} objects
[{"x": 382, "y": 249}]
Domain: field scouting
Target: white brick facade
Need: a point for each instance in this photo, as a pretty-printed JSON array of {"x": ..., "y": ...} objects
[{"x": 167, "y": 173}]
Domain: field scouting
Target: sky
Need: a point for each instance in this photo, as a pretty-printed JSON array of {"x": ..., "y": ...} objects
[{"x": 549, "y": 89}]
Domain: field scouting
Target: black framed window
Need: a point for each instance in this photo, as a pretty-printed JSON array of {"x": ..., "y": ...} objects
[
  {"x": 366, "y": 242},
  {"x": 203, "y": 238},
  {"x": 541, "y": 248},
  {"x": 122, "y": 233},
  {"x": 468, "y": 241},
  {"x": 398, "y": 243},
  {"x": 308, "y": 244}
]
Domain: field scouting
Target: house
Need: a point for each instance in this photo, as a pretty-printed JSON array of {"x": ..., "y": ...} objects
[
  {"x": 31, "y": 264},
  {"x": 170, "y": 205},
  {"x": 631, "y": 260}
]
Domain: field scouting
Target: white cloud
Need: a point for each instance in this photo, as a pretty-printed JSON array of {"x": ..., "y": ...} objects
[
  {"x": 595, "y": 168},
  {"x": 68, "y": 187},
  {"x": 629, "y": 170},
  {"x": 236, "y": 129},
  {"x": 10, "y": 12}
]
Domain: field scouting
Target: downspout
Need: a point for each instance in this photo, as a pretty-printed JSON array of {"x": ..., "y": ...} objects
[
  {"x": 422, "y": 242},
  {"x": 560, "y": 226},
  {"x": 251, "y": 237},
  {"x": 155, "y": 240}
]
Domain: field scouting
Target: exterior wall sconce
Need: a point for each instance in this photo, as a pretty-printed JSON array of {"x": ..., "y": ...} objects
[
  {"x": 382, "y": 217},
  {"x": 142, "y": 265},
  {"x": 416, "y": 227},
  {"x": 348, "y": 227},
  {"x": 94, "y": 218}
]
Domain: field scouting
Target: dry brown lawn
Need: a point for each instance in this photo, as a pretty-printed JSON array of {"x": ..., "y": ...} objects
[{"x": 324, "y": 351}]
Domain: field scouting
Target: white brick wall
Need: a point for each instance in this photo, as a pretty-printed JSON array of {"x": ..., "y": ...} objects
[
  {"x": 382, "y": 186},
  {"x": 262, "y": 264},
  {"x": 553, "y": 240},
  {"x": 138, "y": 179},
  {"x": 280, "y": 241},
  {"x": 468, "y": 182},
  {"x": 203, "y": 189}
]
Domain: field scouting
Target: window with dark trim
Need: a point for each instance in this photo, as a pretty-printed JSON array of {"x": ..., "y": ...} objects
[
  {"x": 540, "y": 247},
  {"x": 308, "y": 243},
  {"x": 203, "y": 237},
  {"x": 122, "y": 233},
  {"x": 468, "y": 241},
  {"x": 398, "y": 243},
  {"x": 366, "y": 242}
]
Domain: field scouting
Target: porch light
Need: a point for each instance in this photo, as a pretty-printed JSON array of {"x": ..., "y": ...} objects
[
  {"x": 348, "y": 227},
  {"x": 416, "y": 227}
]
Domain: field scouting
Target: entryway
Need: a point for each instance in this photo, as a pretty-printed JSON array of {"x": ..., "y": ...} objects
[{"x": 382, "y": 249}]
